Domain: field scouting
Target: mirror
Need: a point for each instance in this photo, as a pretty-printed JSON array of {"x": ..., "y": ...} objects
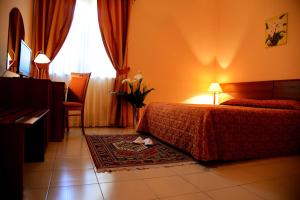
[{"x": 15, "y": 34}]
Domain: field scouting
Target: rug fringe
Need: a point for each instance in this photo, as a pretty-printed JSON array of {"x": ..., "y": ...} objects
[{"x": 102, "y": 170}]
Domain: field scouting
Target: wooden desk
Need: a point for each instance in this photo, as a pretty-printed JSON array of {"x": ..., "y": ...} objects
[
  {"x": 23, "y": 138},
  {"x": 36, "y": 93}
]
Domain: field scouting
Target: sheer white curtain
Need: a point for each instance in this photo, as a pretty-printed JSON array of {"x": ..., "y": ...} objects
[{"x": 83, "y": 51}]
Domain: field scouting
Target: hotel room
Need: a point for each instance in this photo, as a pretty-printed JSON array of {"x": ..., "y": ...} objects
[{"x": 246, "y": 148}]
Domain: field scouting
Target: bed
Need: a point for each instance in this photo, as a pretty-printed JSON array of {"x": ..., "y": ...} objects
[{"x": 262, "y": 120}]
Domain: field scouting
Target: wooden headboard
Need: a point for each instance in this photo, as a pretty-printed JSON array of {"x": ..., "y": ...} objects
[{"x": 275, "y": 89}]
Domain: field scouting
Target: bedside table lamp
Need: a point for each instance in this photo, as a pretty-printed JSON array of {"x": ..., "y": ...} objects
[
  {"x": 215, "y": 88},
  {"x": 41, "y": 62}
]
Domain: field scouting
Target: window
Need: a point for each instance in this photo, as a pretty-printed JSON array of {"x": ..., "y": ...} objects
[{"x": 83, "y": 49}]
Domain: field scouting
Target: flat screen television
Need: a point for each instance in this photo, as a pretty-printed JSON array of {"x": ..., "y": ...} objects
[{"x": 25, "y": 60}]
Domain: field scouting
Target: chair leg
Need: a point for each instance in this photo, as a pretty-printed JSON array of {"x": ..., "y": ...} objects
[
  {"x": 67, "y": 120},
  {"x": 82, "y": 121}
]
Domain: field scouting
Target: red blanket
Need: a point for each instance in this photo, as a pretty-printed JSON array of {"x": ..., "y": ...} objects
[{"x": 224, "y": 132}]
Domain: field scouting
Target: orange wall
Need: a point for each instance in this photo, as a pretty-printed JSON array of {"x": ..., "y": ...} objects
[
  {"x": 241, "y": 54},
  {"x": 26, "y": 9},
  {"x": 172, "y": 42},
  {"x": 181, "y": 46}
]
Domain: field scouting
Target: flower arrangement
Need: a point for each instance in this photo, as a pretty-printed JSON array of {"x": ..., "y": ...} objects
[{"x": 137, "y": 91}]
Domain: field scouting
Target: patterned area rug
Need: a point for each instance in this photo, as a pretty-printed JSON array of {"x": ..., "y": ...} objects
[{"x": 116, "y": 152}]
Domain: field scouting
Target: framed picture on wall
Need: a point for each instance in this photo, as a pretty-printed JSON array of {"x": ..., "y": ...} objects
[{"x": 276, "y": 30}]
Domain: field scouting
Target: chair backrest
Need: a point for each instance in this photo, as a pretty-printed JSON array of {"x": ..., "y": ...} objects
[{"x": 78, "y": 86}]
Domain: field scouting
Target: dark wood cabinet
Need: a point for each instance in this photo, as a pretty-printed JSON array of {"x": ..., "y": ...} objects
[
  {"x": 36, "y": 93},
  {"x": 23, "y": 138}
]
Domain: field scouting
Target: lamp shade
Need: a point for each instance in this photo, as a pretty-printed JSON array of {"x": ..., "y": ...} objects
[
  {"x": 215, "y": 88},
  {"x": 41, "y": 58},
  {"x": 8, "y": 57}
]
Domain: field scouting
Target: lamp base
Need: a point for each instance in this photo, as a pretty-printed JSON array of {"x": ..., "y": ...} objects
[{"x": 214, "y": 98}]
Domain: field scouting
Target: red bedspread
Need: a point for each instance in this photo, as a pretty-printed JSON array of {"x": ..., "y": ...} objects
[{"x": 223, "y": 132}]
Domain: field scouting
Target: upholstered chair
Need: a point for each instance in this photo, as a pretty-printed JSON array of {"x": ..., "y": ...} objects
[{"x": 76, "y": 97}]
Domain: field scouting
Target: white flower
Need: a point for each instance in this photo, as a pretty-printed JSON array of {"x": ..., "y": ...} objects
[
  {"x": 133, "y": 81},
  {"x": 138, "y": 76},
  {"x": 127, "y": 80}
]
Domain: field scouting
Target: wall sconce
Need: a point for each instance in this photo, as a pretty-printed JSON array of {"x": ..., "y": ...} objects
[
  {"x": 41, "y": 62},
  {"x": 215, "y": 88}
]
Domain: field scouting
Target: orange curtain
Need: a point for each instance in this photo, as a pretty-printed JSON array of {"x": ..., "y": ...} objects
[
  {"x": 113, "y": 16},
  {"x": 51, "y": 24}
]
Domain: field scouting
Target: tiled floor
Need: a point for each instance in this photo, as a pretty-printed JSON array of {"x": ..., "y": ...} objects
[{"x": 68, "y": 173}]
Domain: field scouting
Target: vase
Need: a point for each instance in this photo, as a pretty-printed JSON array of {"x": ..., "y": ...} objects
[{"x": 136, "y": 116}]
